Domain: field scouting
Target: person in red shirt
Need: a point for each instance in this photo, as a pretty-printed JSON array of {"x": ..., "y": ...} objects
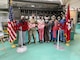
[
  {"x": 22, "y": 27},
  {"x": 55, "y": 29}
]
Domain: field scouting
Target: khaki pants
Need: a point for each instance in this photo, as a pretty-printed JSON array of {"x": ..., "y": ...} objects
[{"x": 32, "y": 32}]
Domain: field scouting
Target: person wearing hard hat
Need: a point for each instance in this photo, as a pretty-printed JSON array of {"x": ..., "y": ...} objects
[
  {"x": 40, "y": 26},
  {"x": 55, "y": 29},
  {"x": 32, "y": 29},
  {"x": 22, "y": 26}
]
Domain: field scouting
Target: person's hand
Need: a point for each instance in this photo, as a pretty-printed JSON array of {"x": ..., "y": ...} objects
[
  {"x": 50, "y": 21},
  {"x": 67, "y": 23},
  {"x": 28, "y": 29},
  {"x": 36, "y": 24},
  {"x": 59, "y": 28}
]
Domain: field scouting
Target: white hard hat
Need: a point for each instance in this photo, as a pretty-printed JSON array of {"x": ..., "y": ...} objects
[
  {"x": 26, "y": 17},
  {"x": 46, "y": 18},
  {"x": 22, "y": 17},
  {"x": 37, "y": 17}
]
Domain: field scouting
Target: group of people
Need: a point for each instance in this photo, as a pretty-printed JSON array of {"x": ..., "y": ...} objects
[{"x": 47, "y": 29}]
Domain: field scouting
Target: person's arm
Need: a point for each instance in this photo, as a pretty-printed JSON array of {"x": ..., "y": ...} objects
[{"x": 19, "y": 25}]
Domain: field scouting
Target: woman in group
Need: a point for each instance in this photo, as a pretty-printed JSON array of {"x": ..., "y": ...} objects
[
  {"x": 46, "y": 29},
  {"x": 51, "y": 24},
  {"x": 41, "y": 28},
  {"x": 55, "y": 29}
]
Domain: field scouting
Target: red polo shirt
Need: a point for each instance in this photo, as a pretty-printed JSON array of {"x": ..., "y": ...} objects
[{"x": 24, "y": 25}]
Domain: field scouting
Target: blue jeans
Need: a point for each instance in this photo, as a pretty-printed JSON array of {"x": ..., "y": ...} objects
[
  {"x": 61, "y": 35},
  {"x": 52, "y": 38},
  {"x": 51, "y": 35}
]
